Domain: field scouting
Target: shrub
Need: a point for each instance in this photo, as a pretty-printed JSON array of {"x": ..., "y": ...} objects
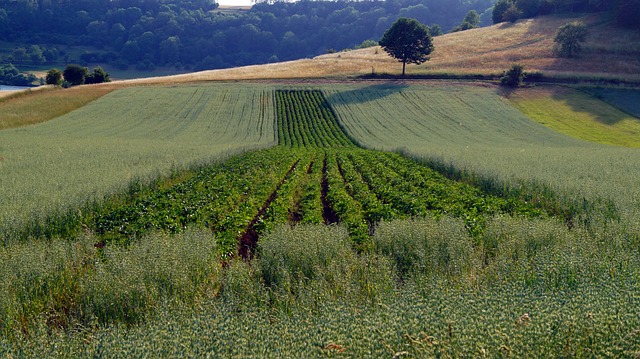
[{"x": 514, "y": 77}]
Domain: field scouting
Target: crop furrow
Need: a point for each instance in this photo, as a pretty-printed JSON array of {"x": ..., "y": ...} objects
[
  {"x": 329, "y": 216},
  {"x": 249, "y": 239}
]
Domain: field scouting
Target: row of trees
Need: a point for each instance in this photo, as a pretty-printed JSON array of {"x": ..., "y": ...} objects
[
  {"x": 195, "y": 35},
  {"x": 74, "y": 75},
  {"x": 626, "y": 12}
]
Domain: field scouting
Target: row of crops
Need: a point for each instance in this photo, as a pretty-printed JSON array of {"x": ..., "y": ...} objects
[
  {"x": 316, "y": 175},
  {"x": 305, "y": 119}
]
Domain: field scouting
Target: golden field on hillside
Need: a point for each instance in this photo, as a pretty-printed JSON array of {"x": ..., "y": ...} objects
[{"x": 489, "y": 50}]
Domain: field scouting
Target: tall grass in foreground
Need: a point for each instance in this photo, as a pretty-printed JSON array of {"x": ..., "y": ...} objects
[
  {"x": 72, "y": 284},
  {"x": 527, "y": 288}
]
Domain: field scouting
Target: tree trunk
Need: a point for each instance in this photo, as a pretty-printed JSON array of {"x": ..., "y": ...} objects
[{"x": 404, "y": 64}]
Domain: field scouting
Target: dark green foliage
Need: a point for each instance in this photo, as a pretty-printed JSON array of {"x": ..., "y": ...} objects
[
  {"x": 305, "y": 119},
  {"x": 54, "y": 77},
  {"x": 499, "y": 9},
  {"x": 98, "y": 76},
  {"x": 529, "y": 8},
  {"x": 570, "y": 38},
  {"x": 408, "y": 41},
  {"x": 514, "y": 77},
  {"x": 626, "y": 12},
  {"x": 512, "y": 14},
  {"x": 435, "y": 30},
  {"x": 10, "y": 75},
  {"x": 470, "y": 21},
  {"x": 75, "y": 74}
]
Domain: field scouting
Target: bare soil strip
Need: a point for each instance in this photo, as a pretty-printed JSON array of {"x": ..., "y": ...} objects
[
  {"x": 249, "y": 239},
  {"x": 328, "y": 214}
]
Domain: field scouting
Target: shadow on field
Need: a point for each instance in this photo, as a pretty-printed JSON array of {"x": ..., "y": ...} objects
[
  {"x": 366, "y": 94},
  {"x": 591, "y": 104},
  {"x": 626, "y": 100}
]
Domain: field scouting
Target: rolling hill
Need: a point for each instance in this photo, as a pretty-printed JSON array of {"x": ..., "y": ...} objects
[{"x": 610, "y": 52}]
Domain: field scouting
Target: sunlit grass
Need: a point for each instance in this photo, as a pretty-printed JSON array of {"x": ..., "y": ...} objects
[
  {"x": 31, "y": 107},
  {"x": 579, "y": 115}
]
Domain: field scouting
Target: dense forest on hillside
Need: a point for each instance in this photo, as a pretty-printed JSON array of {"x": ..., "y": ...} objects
[{"x": 197, "y": 35}]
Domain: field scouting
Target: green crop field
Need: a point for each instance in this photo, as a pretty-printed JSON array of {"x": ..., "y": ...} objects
[
  {"x": 318, "y": 247},
  {"x": 130, "y": 134},
  {"x": 581, "y": 115},
  {"x": 475, "y": 130}
]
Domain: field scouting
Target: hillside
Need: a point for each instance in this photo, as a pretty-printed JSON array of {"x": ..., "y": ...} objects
[{"x": 610, "y": 52}]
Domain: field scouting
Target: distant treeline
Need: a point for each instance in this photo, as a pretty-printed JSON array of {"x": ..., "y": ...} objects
[
  {"x": 195, "y": 34},
  {"x": 626, "y": 12}
]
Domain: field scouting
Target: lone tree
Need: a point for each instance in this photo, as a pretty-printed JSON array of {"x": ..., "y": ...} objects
[
  {"x": 570, "y": 38},
  {"x": 408, "y": 41}
]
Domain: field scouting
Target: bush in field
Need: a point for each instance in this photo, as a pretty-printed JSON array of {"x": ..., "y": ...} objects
[
  {"x": 512, "y": 14},
  {"x": 514, "y": 77},
  {"x": 10, "y": 75},
  {"x": 570, "y": 38}
]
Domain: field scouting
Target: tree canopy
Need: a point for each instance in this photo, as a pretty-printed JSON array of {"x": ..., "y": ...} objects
[
  {"x": 54, "y": 77},
  {"x": 75, "y": 74},
  {"x": 570, "y": 37},
  {"x": 409, "y": 41}
]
